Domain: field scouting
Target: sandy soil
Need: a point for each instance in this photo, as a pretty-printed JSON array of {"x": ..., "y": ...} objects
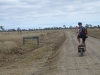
[{"x": 67, "y": 62}]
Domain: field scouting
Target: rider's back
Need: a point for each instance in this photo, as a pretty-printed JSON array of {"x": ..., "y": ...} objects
[{"x": 83, "y": 30}]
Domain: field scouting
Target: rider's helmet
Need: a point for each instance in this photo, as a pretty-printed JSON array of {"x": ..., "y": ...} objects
[{"x": 79, "y": 23}]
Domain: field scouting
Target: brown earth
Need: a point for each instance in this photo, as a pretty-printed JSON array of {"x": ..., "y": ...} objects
[{"x": 62, "y": 61}]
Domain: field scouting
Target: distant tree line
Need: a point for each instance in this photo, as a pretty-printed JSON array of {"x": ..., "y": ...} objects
[
  {"x": 91, "y": 26},
  {"x": 47, "y": 28}
]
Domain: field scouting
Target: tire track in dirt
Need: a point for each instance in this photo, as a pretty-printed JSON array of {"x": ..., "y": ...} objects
[{"x": 70, "y": 63}]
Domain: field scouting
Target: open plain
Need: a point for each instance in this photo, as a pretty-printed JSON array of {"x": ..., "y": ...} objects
[{"x": 57, "y": 54}]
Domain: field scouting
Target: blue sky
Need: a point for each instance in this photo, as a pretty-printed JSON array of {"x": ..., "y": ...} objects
[{"x": 48, "y": 13}]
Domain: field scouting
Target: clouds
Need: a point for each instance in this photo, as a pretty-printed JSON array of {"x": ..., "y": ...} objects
[{"x": 38, "y": 12}]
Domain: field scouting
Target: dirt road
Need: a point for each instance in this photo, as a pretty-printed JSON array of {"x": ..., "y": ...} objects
[{"x": 69, "y": 63}]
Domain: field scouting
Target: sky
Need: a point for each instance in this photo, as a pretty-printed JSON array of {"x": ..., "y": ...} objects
[{"x": 48, "y": 13}]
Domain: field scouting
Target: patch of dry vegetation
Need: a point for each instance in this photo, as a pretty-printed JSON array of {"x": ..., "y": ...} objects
[
  {"x": 94, "y": 33},
  {"x": 12, "y": 49}
]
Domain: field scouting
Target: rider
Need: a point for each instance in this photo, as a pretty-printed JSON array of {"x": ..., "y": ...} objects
[{"x": 81, "y": 34}]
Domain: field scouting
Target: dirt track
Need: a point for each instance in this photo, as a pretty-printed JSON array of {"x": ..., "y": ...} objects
[{"x": 69, "y": 63}]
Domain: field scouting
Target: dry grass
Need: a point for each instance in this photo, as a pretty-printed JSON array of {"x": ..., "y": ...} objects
[
  {"x": 94, "y": 33},
  {"x": 12, "y": 49},
  {"x": 11, "y": 40},
  {"x": 7, "y": 46}
]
